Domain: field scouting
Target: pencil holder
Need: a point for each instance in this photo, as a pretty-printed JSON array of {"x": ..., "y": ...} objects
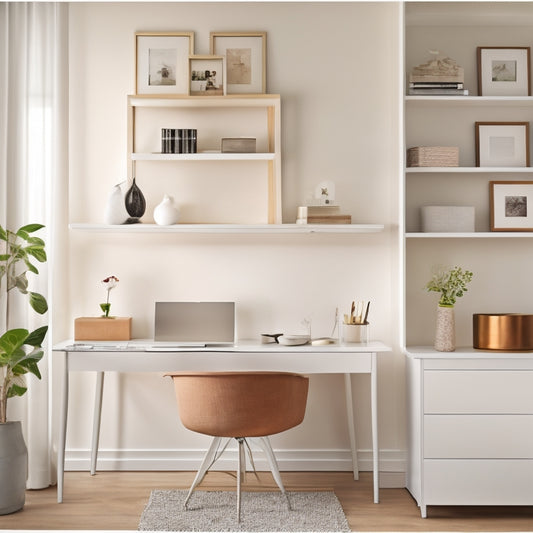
[{"x": 355, "y": 332}]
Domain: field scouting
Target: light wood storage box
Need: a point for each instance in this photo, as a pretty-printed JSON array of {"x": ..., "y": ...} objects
[
  {"x": 433, "y": 156},
  {"x": 102, "y": 329}
]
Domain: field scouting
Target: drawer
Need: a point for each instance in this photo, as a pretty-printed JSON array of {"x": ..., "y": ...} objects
[
  {"x": 479, "y": 482},
  {"x": 478, "y": 436},
  {"x": 478, "y": 391}
]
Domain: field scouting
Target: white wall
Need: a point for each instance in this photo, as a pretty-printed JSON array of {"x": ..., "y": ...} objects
[{"x": 336, "y": 67}]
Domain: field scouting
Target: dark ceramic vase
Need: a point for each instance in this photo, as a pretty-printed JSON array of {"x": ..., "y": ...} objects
[{"x": 135, "y": 202}]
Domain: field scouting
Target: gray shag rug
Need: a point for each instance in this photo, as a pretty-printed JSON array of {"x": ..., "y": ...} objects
[{"x": 260, "y": 511}]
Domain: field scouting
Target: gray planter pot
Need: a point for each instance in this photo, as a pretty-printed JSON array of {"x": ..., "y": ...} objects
[{"x": 13, "y": 468}]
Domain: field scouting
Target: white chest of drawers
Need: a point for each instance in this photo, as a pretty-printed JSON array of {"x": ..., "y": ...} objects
[{"x": 470, "y": 427}]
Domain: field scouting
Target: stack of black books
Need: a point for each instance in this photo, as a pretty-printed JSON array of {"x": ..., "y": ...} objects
[{"x": 178, "y": 141}]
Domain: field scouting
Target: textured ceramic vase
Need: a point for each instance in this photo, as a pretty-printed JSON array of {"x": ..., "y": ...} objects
[
  {"x": 445, "y": 330},
  {"x": 115, "y": 212},
  {"x": 13, "y": 468},
  {"x": 134, "y": 201},
  {"x": 166, "y": 213}
]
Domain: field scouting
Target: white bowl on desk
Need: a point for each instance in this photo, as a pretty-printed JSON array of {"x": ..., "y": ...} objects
[{"x": 294, "y": 340}]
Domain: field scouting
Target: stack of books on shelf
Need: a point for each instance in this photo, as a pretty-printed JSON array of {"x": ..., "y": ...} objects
[
  {"x": 439, "y": 76},
  {"x": 326, "y": 214}
]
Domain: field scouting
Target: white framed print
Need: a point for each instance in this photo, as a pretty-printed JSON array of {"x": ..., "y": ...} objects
[
  {"x": 503, "y": 71},
  {"x": 245, "y": 54},
  {"x": 502, "y": 144},
  {"x": 162, "y": 62},
  {"x": 511, "y": 205}
]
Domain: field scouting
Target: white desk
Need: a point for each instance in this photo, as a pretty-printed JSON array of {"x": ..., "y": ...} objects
[{"x": 134, "y": 356}]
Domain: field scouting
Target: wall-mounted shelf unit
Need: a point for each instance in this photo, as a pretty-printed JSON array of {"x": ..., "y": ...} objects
[
  {"x": 213, "y": 187},
  {"x": 460, "y": 452},
  {"x": 232, "y": 228}
]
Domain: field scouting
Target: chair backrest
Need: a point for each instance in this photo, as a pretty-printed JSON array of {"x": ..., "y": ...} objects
[{"x": 240, "y": 404}]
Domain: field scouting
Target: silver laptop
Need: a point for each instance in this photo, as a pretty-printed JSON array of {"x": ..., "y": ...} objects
[{"x": 183, "y": 324}]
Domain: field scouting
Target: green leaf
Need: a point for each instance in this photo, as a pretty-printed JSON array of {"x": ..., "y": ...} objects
[
  {"x": 36, "y": 241},
  {"x": 12, "y": 340},
  {"x": 38, "y": 303},
  {"x": 21, "y": 282},
  {"x": 30, "y": 228},
  {"x": 22, "y": 234},
  {"x": 31, "y": 267},
  {"x": 16, "y": 390},
  {"x": 3, "y": 234},
  {"x": 28, "y": 363},
  {"x": 36, "y": 337},
  {"x": 37, "y": 252},
  {"x": 4, "y": 257}
]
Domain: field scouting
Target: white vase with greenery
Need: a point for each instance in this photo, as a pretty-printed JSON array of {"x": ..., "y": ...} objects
[
  {"x": 451, "y": 283},
  {"x": 20, "y": 352}
]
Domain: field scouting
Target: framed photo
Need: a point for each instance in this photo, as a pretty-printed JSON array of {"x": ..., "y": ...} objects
[
  {"x": 245, "y": 54},
  {"x": 503, "y": 71},
  {"x": 511, "y": 205},
  {"x": 206, "y": 76},
  {"x": 502, "y": 144},
  {"x": 161, "y": 62}
]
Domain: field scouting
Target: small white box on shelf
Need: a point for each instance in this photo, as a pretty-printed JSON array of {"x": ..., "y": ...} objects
[{"x": 448, "y": 219}]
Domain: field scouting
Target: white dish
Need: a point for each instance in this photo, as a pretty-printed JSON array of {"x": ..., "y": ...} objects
[{"x": 294, "y": 340}]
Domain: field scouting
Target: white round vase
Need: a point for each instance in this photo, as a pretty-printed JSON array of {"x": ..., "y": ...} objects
[
  {"x": 115, "y": 212},
  {"x": 166, "y": 213}
]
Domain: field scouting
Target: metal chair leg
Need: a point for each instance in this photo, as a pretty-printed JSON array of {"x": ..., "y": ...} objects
[
  {"x": 264, "y": 442},
  {"x": 204, "y": 467},
  {"x": 239, "y": 474}
]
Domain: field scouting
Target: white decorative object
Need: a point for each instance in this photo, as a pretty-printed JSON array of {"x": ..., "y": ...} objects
[
  {"x": 448, "y": 219},
  {"x": 115, "y": 212},
  {"x": 324, "y": 193},
  {"x": 355, "y": 332},
  {"x": 166, "y": 213},
  {"x": 294, "y": 340}
]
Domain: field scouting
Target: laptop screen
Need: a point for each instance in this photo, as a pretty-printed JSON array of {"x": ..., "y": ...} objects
[{"x": 195, "y": 322}]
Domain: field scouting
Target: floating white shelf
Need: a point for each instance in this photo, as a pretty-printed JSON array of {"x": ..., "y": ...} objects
[
  {"x": 231, "y": 228},
  {"x": 474, "y": 235},
  {"x": 470, "y": 101},
  {"x": 468, "y": 170},
  {"x": 203, "y": 156}
]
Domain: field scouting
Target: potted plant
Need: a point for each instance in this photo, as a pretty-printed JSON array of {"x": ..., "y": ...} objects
[
  {"x": 20, "y": 352},
  {"x": 451, "y": 283}
]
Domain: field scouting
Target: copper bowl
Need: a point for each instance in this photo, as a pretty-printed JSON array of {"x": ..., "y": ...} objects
[{"x": 505, "y": 331}]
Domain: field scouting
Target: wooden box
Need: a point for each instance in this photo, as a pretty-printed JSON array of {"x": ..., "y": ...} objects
[
  {"x": 238, "y": 145},
  {"x": 433, "y": 156},
  {"x": 102, "y": 329}
]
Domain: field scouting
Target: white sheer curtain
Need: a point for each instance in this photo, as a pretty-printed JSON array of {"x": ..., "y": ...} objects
[{"x": 34, "y": 180}]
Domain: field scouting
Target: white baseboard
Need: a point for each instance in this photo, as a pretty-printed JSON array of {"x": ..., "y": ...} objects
[{"x": 392, "y": 463}]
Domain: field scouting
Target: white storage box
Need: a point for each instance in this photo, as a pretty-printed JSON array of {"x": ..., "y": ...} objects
[{"x": 448, "y": 219}]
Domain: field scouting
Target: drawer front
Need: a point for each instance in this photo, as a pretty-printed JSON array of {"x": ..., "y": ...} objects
[
  {"x": 475, "y": 391},
  {"x": 478, "y": 436},
  {"x": 480, "y": 482}
]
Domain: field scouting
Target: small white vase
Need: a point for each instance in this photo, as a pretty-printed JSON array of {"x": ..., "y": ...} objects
[
  {"x": 166, "y": 213},
  {"x": 115, "y": 212},
  {"x": 445, "y": 330}
]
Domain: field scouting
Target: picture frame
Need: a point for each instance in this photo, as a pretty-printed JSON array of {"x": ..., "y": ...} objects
[
  {"x": 511, "y": 205},
  {"x": 504, "y": 71},
  {"x": 161, "y": 62},
  {"x": 207, "y": 75},
  {"x": 245, "y": 54},
  {"x": 502, "y": 144}
]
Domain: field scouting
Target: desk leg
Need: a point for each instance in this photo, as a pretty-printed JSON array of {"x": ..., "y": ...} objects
[
  {"x": 374, "y": 408},
  {"x": 62, "y": 430},
  {"x": 96, "y": 419},
  {"x": 351, "y": 427}
]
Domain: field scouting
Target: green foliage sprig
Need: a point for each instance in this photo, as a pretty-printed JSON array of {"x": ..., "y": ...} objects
[
  {"x": 451, "y": 283},
  {"x": 20, "y": 349}
]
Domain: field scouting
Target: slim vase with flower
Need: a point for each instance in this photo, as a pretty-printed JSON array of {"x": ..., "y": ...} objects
[{"x": 451, "y": 283}]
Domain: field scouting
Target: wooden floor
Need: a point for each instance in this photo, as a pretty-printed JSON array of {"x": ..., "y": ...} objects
[{"x": 115, "y": 500}]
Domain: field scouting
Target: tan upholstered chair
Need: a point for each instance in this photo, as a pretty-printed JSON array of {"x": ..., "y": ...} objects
[{"x": 239, "y": 405}]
